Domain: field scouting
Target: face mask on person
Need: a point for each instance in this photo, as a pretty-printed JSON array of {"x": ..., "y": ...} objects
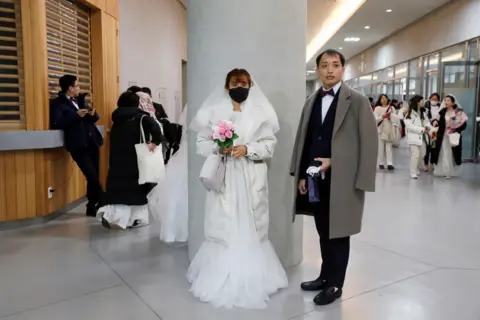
[
  {"x": 239, "y": 94},
  {"x": 434, "y": 103}
]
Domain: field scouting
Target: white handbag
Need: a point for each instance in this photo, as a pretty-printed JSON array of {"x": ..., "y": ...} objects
[
  {"x": 212, "y": 174},
  {"x": 454, "y": 139},
  {"x": 151, "y": 168}
]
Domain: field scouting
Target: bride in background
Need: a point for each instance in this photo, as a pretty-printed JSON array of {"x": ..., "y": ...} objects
[
  {"x": 168, "y": 202},
  {"x": 237, "y": 265}
]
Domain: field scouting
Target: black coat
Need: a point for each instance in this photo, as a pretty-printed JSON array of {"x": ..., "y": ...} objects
[
  {"x": 79, "y": 133},
  {"x": 122, "y": 180},
  {"x": 457, "y": 151}
]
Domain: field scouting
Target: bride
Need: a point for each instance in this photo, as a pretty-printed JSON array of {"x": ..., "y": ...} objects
[
  {"x": 237, "y": 265},
  {"x": 168, "y": 202}
]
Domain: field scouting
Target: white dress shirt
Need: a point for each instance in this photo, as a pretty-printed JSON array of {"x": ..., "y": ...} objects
[
  {"x": 328, "y": 99},
  {"x": 74, "y": 103}
]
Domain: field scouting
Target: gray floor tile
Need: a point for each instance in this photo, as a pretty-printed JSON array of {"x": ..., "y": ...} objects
[
  {"x": 414, "y": 233},
  {"x": 119, "y": 303},
  {"x": 439, "y": 295},
  {"x": 37, "y": 268}
]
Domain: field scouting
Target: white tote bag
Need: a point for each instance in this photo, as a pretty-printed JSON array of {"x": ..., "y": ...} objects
[
  {"x": 454, "y": 139},
  {"x": 212, "y": 174},
  {"x": 151, "y": 168}
]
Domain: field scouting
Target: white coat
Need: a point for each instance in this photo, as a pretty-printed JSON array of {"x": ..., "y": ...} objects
[
  {"x": 221, "y": 207},
  {"x": 415, "y": 129}
]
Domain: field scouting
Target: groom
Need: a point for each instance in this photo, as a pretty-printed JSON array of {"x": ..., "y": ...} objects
[{"x": 337, "y": 132}]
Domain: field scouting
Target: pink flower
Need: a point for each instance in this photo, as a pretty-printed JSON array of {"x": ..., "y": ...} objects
[
  {"x": 216, "y": 136},
  {"x": 229, "y": 134},
  {"x": 222, "y": 138},
  {"x": 216, "y": 129},
  {"x": 229, "y": 125},
  {"x": 222, "y": 124},
  {"x": 222, "y": 130}
]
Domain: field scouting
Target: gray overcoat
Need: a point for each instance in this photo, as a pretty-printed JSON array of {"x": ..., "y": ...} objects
[{"x": 354, "y": 160}]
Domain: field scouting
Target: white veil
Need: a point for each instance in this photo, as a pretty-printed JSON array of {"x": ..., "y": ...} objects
[{"x": 256, "y": 108}]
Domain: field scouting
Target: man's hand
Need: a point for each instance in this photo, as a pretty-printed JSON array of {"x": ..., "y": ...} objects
[
  {"x": 82, "y": 113},
  {"x": 302, "y": 187},
  {"x": 92, "y": 112},
  {"x": 239, "y": 151},
  {"x": 326, "y": 164}
]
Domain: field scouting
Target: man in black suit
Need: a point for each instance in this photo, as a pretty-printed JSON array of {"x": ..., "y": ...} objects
[{"x": 72, "y": 114}]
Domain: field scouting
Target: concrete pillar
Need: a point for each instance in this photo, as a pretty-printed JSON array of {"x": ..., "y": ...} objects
[{"x": 266, "y": 37}]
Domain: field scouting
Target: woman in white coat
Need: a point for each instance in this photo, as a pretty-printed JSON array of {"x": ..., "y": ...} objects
[
  {"x": 388, "y": 130},
  {"x": 417, "y": 126},
  {"x": 237, "y": 265}
]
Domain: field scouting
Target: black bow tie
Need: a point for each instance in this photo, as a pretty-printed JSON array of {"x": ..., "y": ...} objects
[
  {"x": 324, "y": 92},
  {"x": 73, "y": 99}
]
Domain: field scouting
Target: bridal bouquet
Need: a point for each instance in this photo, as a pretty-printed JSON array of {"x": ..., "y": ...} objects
[{"x": 223, "y": 133}]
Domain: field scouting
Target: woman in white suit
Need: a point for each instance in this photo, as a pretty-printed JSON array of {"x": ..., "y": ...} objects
[
  {"x": 417, "y": 126},
  {"x": 237, "y": 265}
]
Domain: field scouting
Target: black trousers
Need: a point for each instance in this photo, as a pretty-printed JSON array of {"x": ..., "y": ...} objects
[
  {"x": 88, "y": 160},
  {"x": 335, "y": 252},
  {"x": 428, "y": 156}
]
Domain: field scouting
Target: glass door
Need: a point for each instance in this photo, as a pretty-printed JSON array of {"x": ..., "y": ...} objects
[
  {"x": 432, "y": 82},
  {"x": 461, "y": 79}
]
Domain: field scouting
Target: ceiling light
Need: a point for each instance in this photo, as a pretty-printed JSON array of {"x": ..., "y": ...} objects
[
  {"x": 340, "y": 13},
  {"x": 389, "y": 10},
  {"x": 340, "y": 48},
  {"x": 367, "y": 27},
  {"x": 352, "y": 39}
]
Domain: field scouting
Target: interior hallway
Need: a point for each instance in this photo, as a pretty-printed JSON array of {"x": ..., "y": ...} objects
[{"x": 417, "y": 258}]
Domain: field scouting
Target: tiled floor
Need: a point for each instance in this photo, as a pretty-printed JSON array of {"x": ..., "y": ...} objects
[{"x": 418, "y": 258}]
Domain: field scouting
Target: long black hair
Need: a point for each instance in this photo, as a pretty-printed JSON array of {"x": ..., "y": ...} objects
[
  {"x": 413, "y": 105},
  {"x": 379, "y": 101}
]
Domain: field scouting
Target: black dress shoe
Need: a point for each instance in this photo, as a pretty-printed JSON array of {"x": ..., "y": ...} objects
[
  {"x": 91, "y": 211},
  {"x": 391, "y": 168},
  {"x": 315, "y": 285},
  {"x": 382, "y": 167},
  {"x": 327, "y": 296}
]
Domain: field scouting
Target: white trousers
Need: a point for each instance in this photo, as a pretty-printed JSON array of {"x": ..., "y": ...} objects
[
  {"x": 417, "y": 154},
  {"x": 385, "y": 149}
]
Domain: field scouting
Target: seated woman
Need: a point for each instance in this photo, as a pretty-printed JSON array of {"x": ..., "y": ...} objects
[{"x": 125, "y": 201}]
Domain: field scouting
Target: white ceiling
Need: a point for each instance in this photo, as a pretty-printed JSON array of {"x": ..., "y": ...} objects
[{"x": 372, "y": 13}]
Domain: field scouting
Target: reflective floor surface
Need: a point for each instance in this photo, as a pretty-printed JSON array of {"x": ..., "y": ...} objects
[{"x": 418, "y": 258}]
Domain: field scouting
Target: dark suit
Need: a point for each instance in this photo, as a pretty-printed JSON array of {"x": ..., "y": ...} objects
[
  {"x": 82, "y": 139},
  {"x": 335, "y": 252}
]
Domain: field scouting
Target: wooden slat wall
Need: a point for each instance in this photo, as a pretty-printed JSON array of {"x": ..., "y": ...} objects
[
  {"x": 68, "y": 44},
  {"x": 12, "y": 98},
  {"x": 26, "y": 175}
]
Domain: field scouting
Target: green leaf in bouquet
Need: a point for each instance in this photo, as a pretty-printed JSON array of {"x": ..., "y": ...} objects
[{"x": 235, "y": 136}]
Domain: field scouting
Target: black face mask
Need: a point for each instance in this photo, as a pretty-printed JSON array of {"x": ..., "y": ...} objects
[{"x": 239, "y": 94}]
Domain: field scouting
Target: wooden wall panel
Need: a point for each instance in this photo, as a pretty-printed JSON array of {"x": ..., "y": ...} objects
[
  {"x": 26, "y": 175},
  {"x": 111, "y": 7},
  {"x": 3, "y": 189}
]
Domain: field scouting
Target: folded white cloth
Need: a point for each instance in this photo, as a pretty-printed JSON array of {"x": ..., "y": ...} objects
[{"x": 313, "y": 171}]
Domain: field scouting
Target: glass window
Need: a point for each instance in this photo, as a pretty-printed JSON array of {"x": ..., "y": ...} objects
[
  {"x": 401, "y": 70},
  {"x": 415, "y": 80},
  {"x": 365, "y": 80},
  {"x": 455, "y": 53},
  {"x": 433, "y": 62},
  {"x": 473, "y": 50}
]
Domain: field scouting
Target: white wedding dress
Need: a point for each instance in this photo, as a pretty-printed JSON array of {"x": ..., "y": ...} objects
[
  {"x": 168, "y": 201},
  {"x": 236, "y": 266}
]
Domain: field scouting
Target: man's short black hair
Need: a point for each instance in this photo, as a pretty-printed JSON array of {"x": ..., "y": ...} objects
[
  {"x": 331, "y": 52},
  {"x": 66, "y": 82},
  {"x": 147, "y": 91},
  {"x": 134, "y": 89}
]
